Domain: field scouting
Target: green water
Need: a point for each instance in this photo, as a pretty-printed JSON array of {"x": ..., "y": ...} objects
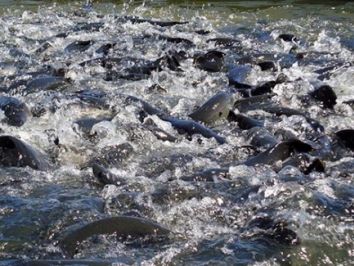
[
  {"x": 220, "y": 13},
  {"x": 337, "y": 16},
  {"x": 273, "y": 9}
]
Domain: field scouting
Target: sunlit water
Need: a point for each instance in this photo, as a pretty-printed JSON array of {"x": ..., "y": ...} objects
[{"x": 209, "y": 220}]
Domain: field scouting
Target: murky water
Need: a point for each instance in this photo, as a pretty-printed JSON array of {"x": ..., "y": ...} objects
[{"x": 226, "y": 195}]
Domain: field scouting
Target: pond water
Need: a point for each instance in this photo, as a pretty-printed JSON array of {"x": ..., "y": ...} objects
[{"x": 105, "y": 112}]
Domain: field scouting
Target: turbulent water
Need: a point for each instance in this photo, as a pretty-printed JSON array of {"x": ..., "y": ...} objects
[{"x": 74, "y": 69}]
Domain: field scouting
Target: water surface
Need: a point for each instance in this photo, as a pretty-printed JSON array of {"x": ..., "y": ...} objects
[{"x": 210, "y": 221}]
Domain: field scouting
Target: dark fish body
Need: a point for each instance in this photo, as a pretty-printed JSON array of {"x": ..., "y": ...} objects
[
  {"x": 287, "y": 37},
  {"x": 45, "y": 83},
  {"x": 271, "y": 229},
  {"x": 148, "y": 108},
  {"x": 237, "y": 76},
  {"x": 85, "y": 124},
  {"x": 263, "y": 88},
  {"x": 305, "y": 163},
  {"x": 217, "y": 107},
  {"x": 279, "y": 152},
  {"x": 260, "y": 137},
  {"x": 191, "y": 127},
  {"x": 262, "y": 102},
  {"x": 78, "y": 46},
  {"x": 15, "y": 111},
  {"x": 227, "y": 42},
  {"x": 16, "y": 153},
  {"x": 158, "y": 132},
  {"x": 350, "y": 102},
  {"x": 267, "y": 65},
  {"x": 62, "y": 35},
  {"x": 106, "y": 177},
  {"x": 325, "y": 73},
  {"x": 131, "y": 68},
  {"x": 105, "y": 48},
  {"x": 170, "y": 61},
  {"x": 326, "y": 95},
  {"x": 253, "y": 103},
  {"x": 43, "y": 47},
  {"x": 202, "y": 32},
  {"x": 96, "y": 98},
  {"x": 153, "y": 22},
  {"x": 122, "y": 226},
  {"x": 132, "y": 74},
  {"x": 244, "y": 122},
  {"x": 161, "y": 134},
  {"x": 346, "y": 136},
  {"x": 212, "y": 61},
  {"x": 188, "y": 127},
  {"x": 176, "y": 40}
]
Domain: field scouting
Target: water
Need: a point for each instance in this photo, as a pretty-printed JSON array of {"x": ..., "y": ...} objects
[{"x": 213, "y": 223}]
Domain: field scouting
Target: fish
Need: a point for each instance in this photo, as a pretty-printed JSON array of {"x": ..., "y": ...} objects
[
  {"x": 216, "y": 108},
  {"x": 279, "y": 152},
  {"x": 244, "y": 122},
  {"x": 106, "y": 177},
  {"x": 122, "y": 226},
  {"x": 182, "y": 126},
  {"x": 346, "y": 137},
  {"x": 261, "y": 137},
  {"x": 16, "y": 153},
  {"x": 287, "y": 37},
  {"x": 326, "y": 95},
  {"x": 78, "y": 46},
  {"x": 159, "y": 23},
  {"x": 275, "y": 230},
  {"x": 212, "y": 61},
  {"x": 226, "y": 42},
  {"x": 16, "y": 112}
]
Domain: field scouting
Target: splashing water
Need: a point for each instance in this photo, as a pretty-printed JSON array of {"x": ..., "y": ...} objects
[{"x": 78, "y": 113}]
